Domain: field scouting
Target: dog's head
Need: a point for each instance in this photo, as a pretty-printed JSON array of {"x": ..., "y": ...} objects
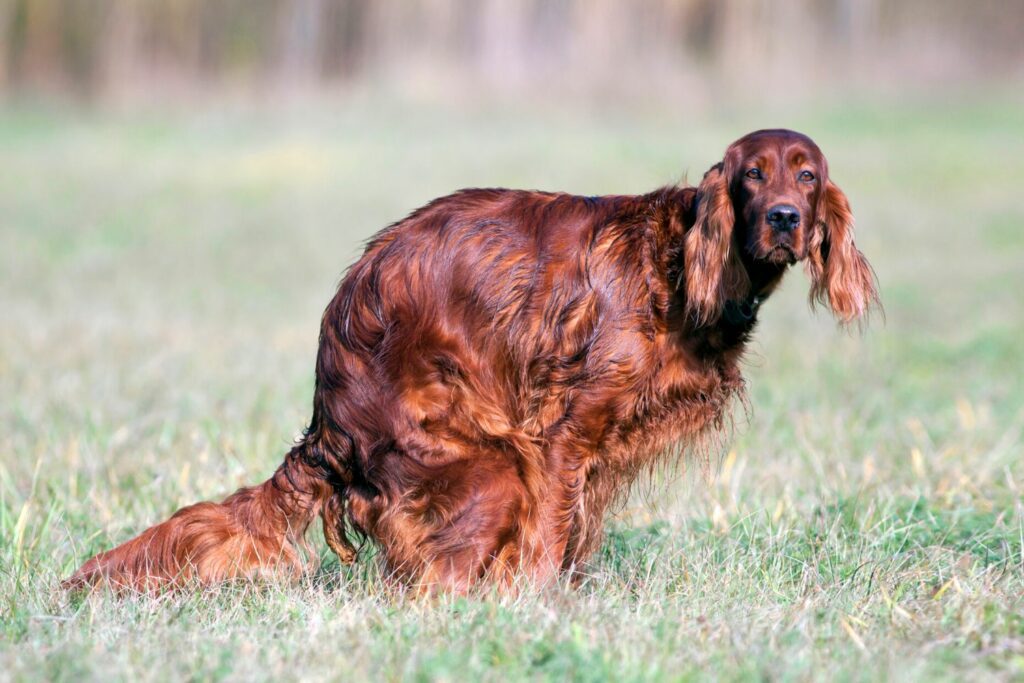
[{"x": 768, "y": 204}]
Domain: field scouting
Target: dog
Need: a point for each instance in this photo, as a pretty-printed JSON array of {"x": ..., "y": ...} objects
[{"x": 498, "y": 367}]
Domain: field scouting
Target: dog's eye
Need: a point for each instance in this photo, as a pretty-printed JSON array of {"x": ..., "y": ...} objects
[
  {"x": 754, "y": 173},
  {"x": 806, "y": 176}
]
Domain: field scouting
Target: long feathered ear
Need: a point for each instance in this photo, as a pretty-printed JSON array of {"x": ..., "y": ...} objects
[
  {"x": 707, "y": 248},
  {"x": 840, "y": 275}
]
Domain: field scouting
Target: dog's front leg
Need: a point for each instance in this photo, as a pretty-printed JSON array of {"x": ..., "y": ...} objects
[{"x": 549, "y": 524}]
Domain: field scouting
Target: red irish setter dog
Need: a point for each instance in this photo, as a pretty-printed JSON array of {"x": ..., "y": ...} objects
[{"x": 499, "y": 366}]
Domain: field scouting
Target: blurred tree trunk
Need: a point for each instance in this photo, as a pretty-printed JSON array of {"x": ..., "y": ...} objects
[
  {"x": 344, "y": 30},
  {"x": 301, "y": 46},
  {"x": 120, "y": 56},
  {"x": 857, "y": 23}
]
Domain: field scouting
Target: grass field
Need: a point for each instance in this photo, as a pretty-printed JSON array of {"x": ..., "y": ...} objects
[{"x": 161, "y": 281}]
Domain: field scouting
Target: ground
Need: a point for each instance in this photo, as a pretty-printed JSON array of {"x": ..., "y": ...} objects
[{"x": 161, "y": 279}]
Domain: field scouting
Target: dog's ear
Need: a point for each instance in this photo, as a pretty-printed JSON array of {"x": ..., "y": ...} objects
[
  {"x": 840, "y": 275},
  {"x": 710, "y": 263}
]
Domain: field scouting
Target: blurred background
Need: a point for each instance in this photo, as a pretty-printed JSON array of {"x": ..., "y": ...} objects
[
  {"x": 698, "y": 52},
  {"x": 183, "y": 183}
]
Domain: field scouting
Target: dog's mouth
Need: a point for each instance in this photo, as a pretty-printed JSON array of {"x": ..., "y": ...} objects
[{"x": 781, "y": 254}]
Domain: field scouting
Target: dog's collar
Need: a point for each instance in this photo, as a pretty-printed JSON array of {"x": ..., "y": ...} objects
[{"x": 742, "y": 311}]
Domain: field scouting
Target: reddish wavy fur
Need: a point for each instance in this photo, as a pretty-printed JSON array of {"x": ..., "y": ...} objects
[{"x": 497, "y": 367}]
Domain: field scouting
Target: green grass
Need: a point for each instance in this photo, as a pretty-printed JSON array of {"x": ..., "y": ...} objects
[{"x": 161, "y": 281}]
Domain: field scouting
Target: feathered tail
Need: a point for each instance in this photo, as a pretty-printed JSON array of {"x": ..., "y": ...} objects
[{"x": 255, "y": 532}]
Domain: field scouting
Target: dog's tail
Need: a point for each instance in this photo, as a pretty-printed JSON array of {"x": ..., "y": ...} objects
[{"x": 257, "y": 531}]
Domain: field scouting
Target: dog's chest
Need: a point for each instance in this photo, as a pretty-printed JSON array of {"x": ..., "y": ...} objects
[{"x": 680, "y": 399}]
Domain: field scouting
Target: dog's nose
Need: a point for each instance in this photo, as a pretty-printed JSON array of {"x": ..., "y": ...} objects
[{"x": 783, "y": 217}]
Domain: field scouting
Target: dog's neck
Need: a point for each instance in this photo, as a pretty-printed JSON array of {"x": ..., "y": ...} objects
[{"x": 764, "y": 278}]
